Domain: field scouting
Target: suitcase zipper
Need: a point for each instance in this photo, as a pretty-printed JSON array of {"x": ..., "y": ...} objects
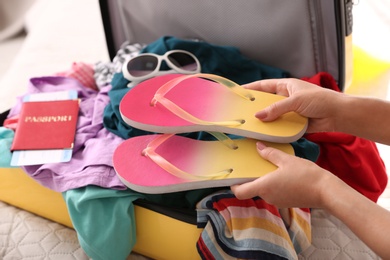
[{"x": 318, "y": 32}]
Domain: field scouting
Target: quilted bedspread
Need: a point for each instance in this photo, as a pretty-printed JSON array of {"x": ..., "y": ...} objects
[{"x": 24, "y": 235}]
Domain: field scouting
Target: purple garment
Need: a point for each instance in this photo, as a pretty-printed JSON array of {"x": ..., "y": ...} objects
[{"x": 91, "y": 163}]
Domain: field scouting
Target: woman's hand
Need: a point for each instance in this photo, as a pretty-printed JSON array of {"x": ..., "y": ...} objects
[
  {"x": 318, "y": 104},
  {"x": 296, "y": 183}
]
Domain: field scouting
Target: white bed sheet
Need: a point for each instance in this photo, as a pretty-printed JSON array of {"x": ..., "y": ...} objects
[{"x": 59, "y": 33}]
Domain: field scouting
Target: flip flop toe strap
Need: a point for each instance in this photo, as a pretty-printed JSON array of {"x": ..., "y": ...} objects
[
  {"x": 159, "y": 97},
  {"x": 150, "y": 152}
]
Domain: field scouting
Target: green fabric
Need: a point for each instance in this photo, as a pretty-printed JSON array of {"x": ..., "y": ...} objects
[
  {"x": 226, "y": 61},
  {"x": 6, "y": 138},
  {"x": 306, "y": 149},
  {"x": 104, "y": 218},
  {"x": 104, "y": 221}
]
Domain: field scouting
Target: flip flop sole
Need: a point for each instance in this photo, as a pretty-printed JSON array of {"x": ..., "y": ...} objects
[
  {"x": 208, "y": 101},
  {"x": 142, "y": 174}
]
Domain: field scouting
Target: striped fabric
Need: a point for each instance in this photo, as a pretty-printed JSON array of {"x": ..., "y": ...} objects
[{"x": 250, "y": 229}]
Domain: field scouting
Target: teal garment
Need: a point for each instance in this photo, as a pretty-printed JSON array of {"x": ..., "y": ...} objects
[
  {"x": 6, "y": 138},
  {"x": 225, "y": 61},
  {"x": 306, "y": 149},
  {"x": 104, "y": 221},
  {"x": 104, "y": 218}
]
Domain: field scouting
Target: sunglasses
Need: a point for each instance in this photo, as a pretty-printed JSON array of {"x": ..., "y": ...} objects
[{"x": 147, "y": 65}]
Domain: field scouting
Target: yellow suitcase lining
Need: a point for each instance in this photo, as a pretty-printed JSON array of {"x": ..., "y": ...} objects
[{"x": 20, "y": 190}]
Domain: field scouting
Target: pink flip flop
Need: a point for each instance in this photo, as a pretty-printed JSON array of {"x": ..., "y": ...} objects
[
  {"x": 205, "y": 102},
  {"x": 164, "y": 163}
]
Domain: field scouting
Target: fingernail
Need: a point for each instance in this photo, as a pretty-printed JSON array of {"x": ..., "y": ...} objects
[
  {"x": 260, "y": 146},
  {"x": 261, "y": 115}
]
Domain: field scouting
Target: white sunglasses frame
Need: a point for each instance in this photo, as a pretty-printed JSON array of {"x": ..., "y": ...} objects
[{"x": 156, "y": 71}]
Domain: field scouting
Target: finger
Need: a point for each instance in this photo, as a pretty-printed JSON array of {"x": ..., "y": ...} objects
[
  {"x": 273, "y": 155},
  {"x": 248, "y": 190},
  {"x": 261, "y": 185},
  {"x": 275, "y": 86},
  {"x": 242, "y": 193},
  {"x": 276, "y": 109}
]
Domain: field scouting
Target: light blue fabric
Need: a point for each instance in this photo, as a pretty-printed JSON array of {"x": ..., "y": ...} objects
[
  {"x": 6, "y": 138},
  {"x": 106, "y": 217}
]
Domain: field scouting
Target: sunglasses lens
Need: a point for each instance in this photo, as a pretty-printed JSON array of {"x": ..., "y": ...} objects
[
  {"x": 183, "y": 61},
  {"x": 142, "y": 65}
]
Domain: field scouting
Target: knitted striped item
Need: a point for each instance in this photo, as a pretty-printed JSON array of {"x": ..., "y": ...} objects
[{"x": 250, "y": 229}]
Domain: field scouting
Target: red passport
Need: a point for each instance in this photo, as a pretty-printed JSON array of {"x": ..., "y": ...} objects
[{"x": 46, "y": 125}]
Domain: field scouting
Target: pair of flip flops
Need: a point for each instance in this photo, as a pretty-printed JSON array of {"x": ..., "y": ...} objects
[{"x": 176, "y": 103}]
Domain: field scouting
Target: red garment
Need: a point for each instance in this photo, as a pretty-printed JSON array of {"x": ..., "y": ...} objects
[{"x": 353, "y": 159}]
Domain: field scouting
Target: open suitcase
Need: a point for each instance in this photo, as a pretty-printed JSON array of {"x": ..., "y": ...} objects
[{"x": 303, "y": 37}]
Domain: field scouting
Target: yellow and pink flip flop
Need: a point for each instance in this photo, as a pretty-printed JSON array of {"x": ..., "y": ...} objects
[
  {"x": 165, "y": 163},
  {"x": 174, "y": 103},
  {"x": 177, "y": 103}
]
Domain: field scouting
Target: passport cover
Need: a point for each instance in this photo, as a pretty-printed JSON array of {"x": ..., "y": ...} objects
[{"x": 46, "y": 125}]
